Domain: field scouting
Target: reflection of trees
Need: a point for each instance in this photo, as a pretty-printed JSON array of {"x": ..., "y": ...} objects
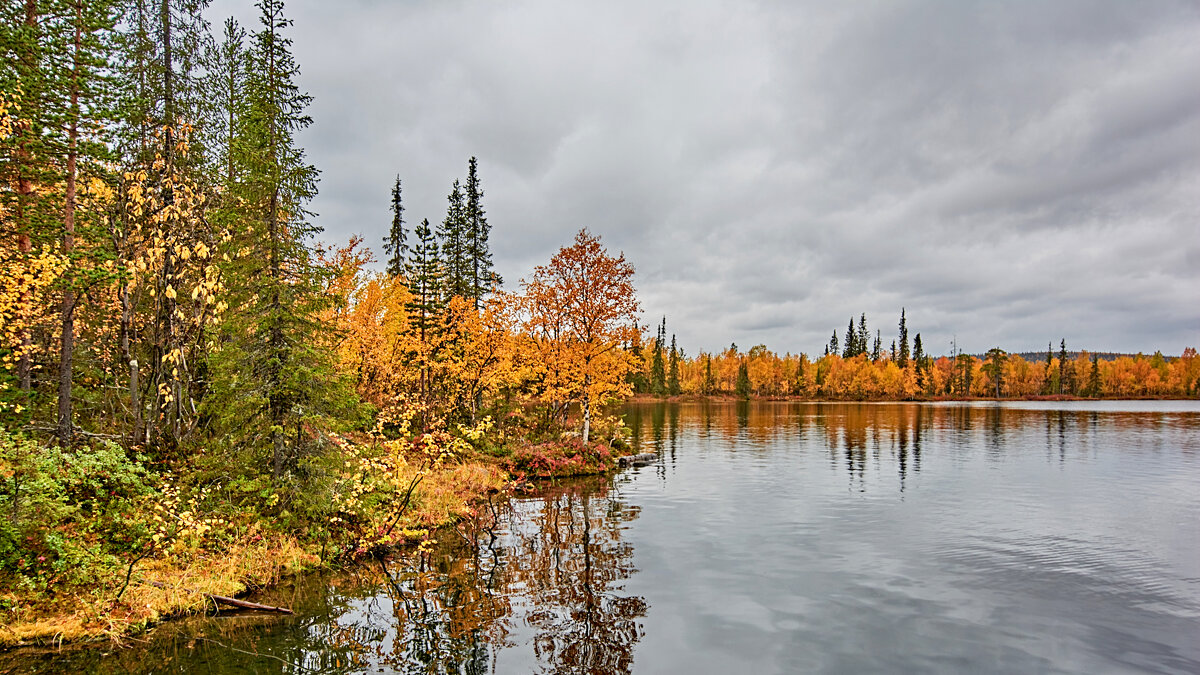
[{"x": 572, "y": 566}]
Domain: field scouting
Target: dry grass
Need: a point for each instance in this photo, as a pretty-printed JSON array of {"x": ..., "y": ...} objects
[{"x": 174, "y": 585}]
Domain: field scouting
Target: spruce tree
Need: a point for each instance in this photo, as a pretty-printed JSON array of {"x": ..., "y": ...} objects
[
  {"x": 1062, "y": 367},
  {"x": 658, "y": 374},
  {"x": 863, "y": 336},
  {"x": 902, "y": 360},
  {"x": 743, "y": 379},
  {"x": 452, "y": 236},
  {"x": 225, "y": 98},
  {"x": 1094, "y": 378},
  {"x": 850, "y": 346},
  {"x": 673, "y": 388},
  {"x": 476, "y": 231},
  {"x": 877, "y": 347},
  {"x": 710, "y": 382},
  {"x": 919, "y": 361},
  {"x": 395, "y": 243},
  {"x": 274, "y": 376},
  {"x": 1048, "y": 385},
  {"x": 425, "y": 280},
  {"x": 832, "y": 347}
]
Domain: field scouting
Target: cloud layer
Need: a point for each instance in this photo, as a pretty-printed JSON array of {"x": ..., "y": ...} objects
[{"x": 1010, "y": 173}]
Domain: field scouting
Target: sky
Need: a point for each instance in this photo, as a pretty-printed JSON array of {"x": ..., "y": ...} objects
[{"x": 1010, "y": 173}]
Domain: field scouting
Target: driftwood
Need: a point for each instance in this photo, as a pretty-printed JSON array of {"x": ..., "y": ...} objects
[
  {"x": 637, "y": 460},
  {"x": 232, "y": 602}
]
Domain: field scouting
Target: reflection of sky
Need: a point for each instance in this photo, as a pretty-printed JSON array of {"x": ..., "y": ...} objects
[{"x": 1028, "y": 540}]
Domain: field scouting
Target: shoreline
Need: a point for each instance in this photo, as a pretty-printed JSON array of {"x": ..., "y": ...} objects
[{"x": 162, "y": 590}]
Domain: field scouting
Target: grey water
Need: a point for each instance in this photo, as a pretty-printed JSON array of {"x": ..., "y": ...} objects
[{"x": 773, "y": 537}]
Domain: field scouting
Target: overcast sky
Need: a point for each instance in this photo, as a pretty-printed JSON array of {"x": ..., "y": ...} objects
[{"x": 1009, "y": 172}]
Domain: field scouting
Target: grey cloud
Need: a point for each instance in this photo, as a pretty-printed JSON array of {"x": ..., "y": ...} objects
[{"x": 1008, "y": 172}]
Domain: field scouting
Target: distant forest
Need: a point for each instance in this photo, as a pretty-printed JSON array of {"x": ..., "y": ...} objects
[{"x": 859, "y": 366}]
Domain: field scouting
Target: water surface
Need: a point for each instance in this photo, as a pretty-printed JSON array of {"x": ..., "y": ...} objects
[{"x": 778, "y": 538}]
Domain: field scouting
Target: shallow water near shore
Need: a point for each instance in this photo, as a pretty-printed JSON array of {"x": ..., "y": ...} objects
[{"x": 775, "y": 538}]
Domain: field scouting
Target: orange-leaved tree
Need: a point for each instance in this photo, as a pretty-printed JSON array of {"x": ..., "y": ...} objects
[{"x": 581, "y": 309}]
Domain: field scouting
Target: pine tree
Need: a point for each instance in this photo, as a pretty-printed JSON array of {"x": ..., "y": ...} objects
[
  {"x": 850, "y": 346},
  {"x": 394, "y": 244},
  {"x": 673, "y": 388},
  {"x": 902, "y": 360},
  {"x": 1094, "y": 378},
  {"x": 832, "y": 347},
  {"x": 877, "y": 347},
  {"x": 710, "y": 382}
]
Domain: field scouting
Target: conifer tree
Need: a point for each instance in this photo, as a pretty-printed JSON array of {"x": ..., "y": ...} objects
[
  {"x": 832, "y": 347},
  {"x": 274, "y": 376},
  {"x": 710, "y": 382},
  {"x": 863, "y": 336},
  {"x": 225, "y": 97},
  {"x": 877, "y": 347},
  {"x": 673, "y": 388},
  {"x": 425, "y": 280},
  {"x": 1047, "y": 381},
  {"x": 452, "y": 236},
  {"x": 902, "y": 360},
  {"x": 658, "y": 375},
  {"x": 743, "y": 379},
  {"x": 1094, "y": 378},
  {"x": 1062, "y": 367},
  {"x": 919, "y": 360},
  {"x": 850, "y": 346},
  {"x": 394, "y": 244},
  {"x": 476, "y": 230}
]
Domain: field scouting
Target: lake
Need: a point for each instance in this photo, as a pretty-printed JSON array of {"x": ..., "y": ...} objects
[{"x": 779, "y": 538}]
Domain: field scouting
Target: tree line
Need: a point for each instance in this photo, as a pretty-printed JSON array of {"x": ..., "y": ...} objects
[{"x": 860, "y": 367}]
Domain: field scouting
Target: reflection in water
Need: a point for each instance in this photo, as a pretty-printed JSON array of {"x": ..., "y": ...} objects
[
  {"x": 854, "y": 432},
  {"x": 816, "y": 537}
]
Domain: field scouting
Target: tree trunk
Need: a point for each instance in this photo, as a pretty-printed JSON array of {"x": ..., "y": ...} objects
[
  {"x": 24, "y": 194},
  {"x": 67, "y": 347},
  {"x": 587, "y": 407}
]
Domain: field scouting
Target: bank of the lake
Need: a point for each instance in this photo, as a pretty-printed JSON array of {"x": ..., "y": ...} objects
[{"x": 183, "y": 580}]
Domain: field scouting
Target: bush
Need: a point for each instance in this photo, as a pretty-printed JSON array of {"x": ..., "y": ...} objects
[
  {"x": 66, "y": 513},
  {"x": 568, "y": 457}
]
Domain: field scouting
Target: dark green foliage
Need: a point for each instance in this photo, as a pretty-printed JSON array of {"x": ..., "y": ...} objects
[
  {"x": 832, "y": 347},
  {"x": 658, "y": 373},
  {"x": 476, "y": 231},
  {"x": 452, "y": 236},
  {"x": 1094, "y": 378},
  {"x": 395, "y": 243},
  {"x": 743, "y": 379},
  {"x": 1063, "y": 384},
  {"x": 274, "y": 376},
  {"x": 850, "y": 348},
  {"x": 902, "y": 358},
  {"x": 710, "y": 381},
  {"x": 673, "y": 387},
  {"x": 994, "y": 367}
]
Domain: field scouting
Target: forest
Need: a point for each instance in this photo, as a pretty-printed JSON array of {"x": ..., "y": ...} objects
[
  {"x": 860, "y": 368},
  {"x": 198, "y": 396}
]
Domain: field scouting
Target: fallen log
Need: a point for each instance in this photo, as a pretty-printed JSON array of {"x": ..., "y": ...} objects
[
  {"x": 224, "y": 600},
  {"x": 637, "y": 460}
]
